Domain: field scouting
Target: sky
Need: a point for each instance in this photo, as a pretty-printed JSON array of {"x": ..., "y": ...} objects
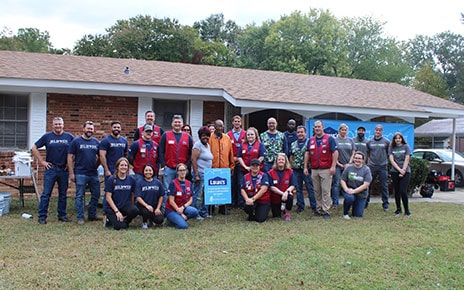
[{"x": 68, "y": 21}]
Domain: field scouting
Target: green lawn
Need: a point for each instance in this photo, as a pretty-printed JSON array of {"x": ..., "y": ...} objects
[{"x": 377, "y": 252}]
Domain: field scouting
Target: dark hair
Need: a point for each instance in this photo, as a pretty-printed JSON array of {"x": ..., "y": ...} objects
[
  {"x": 393, "y": 143},
  {"x": 188, "y": 126},
  {"x": 148, "y": 165},
  {"x": 87, "y": 123},
  {"x": 301, "y": 127},
  {"x": 204, "y": 130},
  {"x": 149, "y": 111},
  {"x": 115, "y": 122}
]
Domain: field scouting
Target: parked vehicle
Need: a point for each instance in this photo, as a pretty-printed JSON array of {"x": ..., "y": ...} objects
[{"x": 440, "y": 160}]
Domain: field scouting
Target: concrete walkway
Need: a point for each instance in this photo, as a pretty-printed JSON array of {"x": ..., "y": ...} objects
[{"x": 456, "y": 196}]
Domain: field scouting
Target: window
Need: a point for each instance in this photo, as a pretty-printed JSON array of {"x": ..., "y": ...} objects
[
  {"x": 13, "y": 122},
  {"x": 166, "y": 109}
]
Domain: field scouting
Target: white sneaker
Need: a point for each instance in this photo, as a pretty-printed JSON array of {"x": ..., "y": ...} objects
[
  {"x": 144, "y": 226},
  {"x": 346, "y": 217}
]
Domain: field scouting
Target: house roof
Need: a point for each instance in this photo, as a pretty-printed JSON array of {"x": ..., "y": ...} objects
[
  {"x": 246, "y": 88},
  {"x": 440, "y": 128}
]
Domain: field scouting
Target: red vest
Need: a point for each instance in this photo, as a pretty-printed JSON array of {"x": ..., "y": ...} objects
[
  {"x": 248, "y": 155},
  {"x": 282, "y": 184},
  {"x": 175, "y": 153},
  {"x": 156, "y": 133},
  {"x": 236, "y": 144},
  {"x": 253, "y": 190},
  {"x": 320, "y": 156},
  {"x": 181, "y": 197},
  {"x": 143, "y": 157}
]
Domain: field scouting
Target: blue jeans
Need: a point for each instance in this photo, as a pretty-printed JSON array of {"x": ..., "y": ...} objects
[
  {"x": 353, "y": 201},
  {"x": 300, "y": 178},
  {"x": 336, "y": 185},
  {"x": 199, "y": 196},
  {"x": 236, "y": 181},
  {"x": 94, "y": 184},
  {"x": 382, "y": 173},
  {"x": 267, "y": 166},
  {"x": 51, "y": 176},
  {"x": 177, "y": 220}
]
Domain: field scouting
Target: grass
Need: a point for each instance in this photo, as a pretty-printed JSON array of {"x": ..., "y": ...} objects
[{"x": 379, "y": 251}]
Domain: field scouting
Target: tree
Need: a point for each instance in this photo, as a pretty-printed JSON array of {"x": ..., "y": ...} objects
[
  {"x": 429, "y": 81},
  {"x": 26, "y": 39}
]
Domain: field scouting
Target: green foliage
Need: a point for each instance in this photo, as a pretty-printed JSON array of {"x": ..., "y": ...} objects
[
  {"x": 419, "y": 172},
  {"x": 429, "y": 81},
  {"x": 26, "y": 39}
]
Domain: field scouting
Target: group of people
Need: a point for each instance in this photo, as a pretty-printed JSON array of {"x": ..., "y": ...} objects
[{"x": 268, "y": 171}]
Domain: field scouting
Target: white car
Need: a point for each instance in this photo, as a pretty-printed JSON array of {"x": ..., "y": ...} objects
[{"x": 440, "y": 160}]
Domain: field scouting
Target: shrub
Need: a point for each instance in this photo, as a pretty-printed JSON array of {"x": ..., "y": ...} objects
[{"x": 419, "y": 172}]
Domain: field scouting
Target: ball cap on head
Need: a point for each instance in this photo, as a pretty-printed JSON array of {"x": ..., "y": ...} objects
[
  {"x": 148, "y": 128},
  {"x": 361, "y": 128},
  {"x": 255, "y": 162}
]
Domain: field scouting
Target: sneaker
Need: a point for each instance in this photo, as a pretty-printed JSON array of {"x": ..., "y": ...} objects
[
  {"x": 80, "y": 222},
  {"x": 316, "y": 213},
  {"x": 42, "y": 221},
  {"x": 199, "y": 218},
  {"x": 64, "y": 219},
  {"x": 346, "y": 217},
  {"x": 287, "y": 217},
  {"x": 107, "y": 223},
  {"x": 397, "y": 212},
  {"x": 326, "y": 216},
  {"x": 385, "y": 207},
  {"x": 408, "y": 213},
  {"x": 144, "y": 226},
  {"x": 299, "y": 210}
]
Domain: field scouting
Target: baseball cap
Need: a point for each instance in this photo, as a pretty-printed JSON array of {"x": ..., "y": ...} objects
[
  {"x": 255, "y": 162},
  {"x": 361, "y": 128},
  {"x": 148, "y": 128}
]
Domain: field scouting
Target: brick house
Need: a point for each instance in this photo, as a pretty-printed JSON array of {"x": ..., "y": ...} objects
[{"x": 35, "y": 87}]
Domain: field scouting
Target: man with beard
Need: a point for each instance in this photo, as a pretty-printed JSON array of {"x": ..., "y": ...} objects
[
  {"x": 57, "y": 144},
  {"x": 149, "y": 120},
  {"x": 360, "y": 141},
  {"x": 274, "y": 141},
  {"x": 82, "y": 164},
  {"x": 112, "y": 147},
  {"x": 291, "y": 135}
]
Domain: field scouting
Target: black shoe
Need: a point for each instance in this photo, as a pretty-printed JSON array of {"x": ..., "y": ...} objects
[
  {"x": 326, "y": 216},
  {"x": 398, "y": 212},
  {"x": 223, "y": 210},
  {"x": 251, "y": 218},
  {"x": 92, "y": 219},
  {"x": 408, "y": 213},
  {"x": 42, "y": 221},
  {"x": 64, "y": 219},
  {"x": 316, "y": 213},
  {"x": 300, "y": 210}
]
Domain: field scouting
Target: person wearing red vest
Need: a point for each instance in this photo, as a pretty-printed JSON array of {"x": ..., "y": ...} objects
[
  {"x": 149, "y": 120},
  {"x": 237, "y": 136},
  {"x": 252, "y": 148},
  {"x": 175, "y": 147},
  {"x": 144, "y": 151},
  {"x": 322, "y": 154},
  {"x": 282, "y": 186},
  {"x": 255, "y": 193},
  {"x": 178, "y": 207}
]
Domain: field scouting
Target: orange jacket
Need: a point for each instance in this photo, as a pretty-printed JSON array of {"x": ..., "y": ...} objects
[{"x": 221, "y": 148}]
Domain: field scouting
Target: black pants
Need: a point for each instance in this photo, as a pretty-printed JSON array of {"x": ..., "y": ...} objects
[
  {"x": 400, "y": 184},
  {"x": 276, "y": 210},
  {"x": 257, "y": 212},
  {"x": 129, "y": 211},
  {"x": 146, "y": 215}
]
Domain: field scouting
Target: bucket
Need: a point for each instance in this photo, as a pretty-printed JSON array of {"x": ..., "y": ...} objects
[
  {"x": 6, "y": 201},
  {"x": 1, "y": 205}
]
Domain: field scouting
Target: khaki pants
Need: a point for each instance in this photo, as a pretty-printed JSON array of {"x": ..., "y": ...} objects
[{"x": 322, "y": 182}]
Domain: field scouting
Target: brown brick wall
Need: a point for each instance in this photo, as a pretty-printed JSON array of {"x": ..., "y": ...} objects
[{"x": 212, "y": 111}]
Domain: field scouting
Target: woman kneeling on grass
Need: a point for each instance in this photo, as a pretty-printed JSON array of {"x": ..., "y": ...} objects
[
  {"x": 355, "y": 182},
  {"x": 149, "y": 196},
  {"x": 119, "y": 190},
  {"x": 255, "y": 193},
  {"x": 178, "y": 209},
  {"x": 282, "y": 185}
]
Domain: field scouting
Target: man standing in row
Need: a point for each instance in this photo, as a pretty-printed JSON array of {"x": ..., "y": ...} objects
[
  {"x": 291, "y": 135},
  {"x": 237, "y": 136},
  {"x": 274, "y": 141},
  {"x": 82, "y": 164},
  {"x": 144, "y": 151},
  {"x": 360, "y": 140},
  {"x": 56, "y": 143},
  {"x": 221, "y": 149},
  {"x": 377, "y": 152},
  {"x": 149, "y": 120},
  {"x": 323, "y": 155},
  {"x": 112, "y": 147}
]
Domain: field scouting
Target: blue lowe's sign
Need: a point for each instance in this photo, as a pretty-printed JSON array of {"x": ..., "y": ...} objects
[{"x": 217, "y": 186}]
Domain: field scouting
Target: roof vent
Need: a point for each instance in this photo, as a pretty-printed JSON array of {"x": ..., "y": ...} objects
[{"x": 127, "y": 70}]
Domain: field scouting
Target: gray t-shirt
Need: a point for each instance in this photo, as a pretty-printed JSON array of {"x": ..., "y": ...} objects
[
  {"x": 345, "y": 149},
  {"x": 205, "y": 160},
  {"x": 360, "y": 145},
  {"x": 399, "y": 155},
  {"x": 377, "y": 151},
  {"x": 355, "y": 177}
]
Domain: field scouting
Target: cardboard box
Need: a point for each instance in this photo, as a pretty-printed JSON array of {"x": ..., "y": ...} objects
[{"x": 22, "y": 169}]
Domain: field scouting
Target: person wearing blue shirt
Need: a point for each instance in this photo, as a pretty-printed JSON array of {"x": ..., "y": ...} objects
[
  {"x": 119, "y": 190},
  {"x": 111, "y": 148},
  {"x": 149, "y": 195},
  {"x": 82, "y": 164},
  {"x": 56, "y": 143}
]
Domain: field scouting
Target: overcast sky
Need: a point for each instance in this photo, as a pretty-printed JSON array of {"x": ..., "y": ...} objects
[{"x": 67, "y": 21}]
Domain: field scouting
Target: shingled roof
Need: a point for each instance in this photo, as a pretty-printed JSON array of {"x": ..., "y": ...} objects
[
  {"x": 241, "y": 87},
  {"x": 440, "y": 128}
]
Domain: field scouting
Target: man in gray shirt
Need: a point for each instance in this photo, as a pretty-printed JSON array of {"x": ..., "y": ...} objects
[
  {"x": 360, "y": 140},
  {"x": 377, "y": 152}
]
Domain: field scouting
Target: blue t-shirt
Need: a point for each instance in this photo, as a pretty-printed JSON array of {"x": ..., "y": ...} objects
[
  {"x": 149, "y": 191},
  {"x": 115, "y": 148},
  {"x": 120, "y": 191},
  {"x": 85, "y": 155},
  {"x": 57, "y": 147}
]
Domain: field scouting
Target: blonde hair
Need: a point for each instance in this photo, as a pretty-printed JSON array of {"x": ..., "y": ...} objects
[
  {"x": 255, "y": 131},
  {"x": 287, "y": 162}
]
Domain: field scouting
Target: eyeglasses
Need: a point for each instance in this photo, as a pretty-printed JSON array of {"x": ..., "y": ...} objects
[{"x": 186, "y": 130}]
